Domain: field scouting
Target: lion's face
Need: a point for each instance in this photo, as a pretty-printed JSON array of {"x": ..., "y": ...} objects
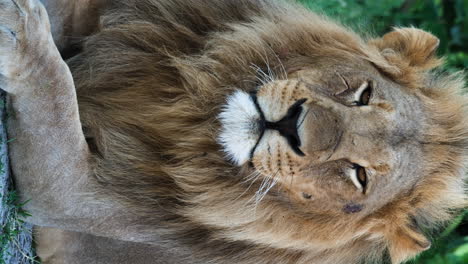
[{"x": 335, "y": 138}]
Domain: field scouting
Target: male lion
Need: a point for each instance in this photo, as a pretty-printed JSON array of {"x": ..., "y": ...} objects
[{"x": 248, "y": 131}]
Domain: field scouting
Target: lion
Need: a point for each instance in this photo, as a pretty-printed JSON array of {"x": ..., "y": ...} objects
[{"x": 247, "y": 131}]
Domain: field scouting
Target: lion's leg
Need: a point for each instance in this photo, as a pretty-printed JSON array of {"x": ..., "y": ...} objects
[
  {"x": 49, "y": 154},
  {"x": 56, "y": 246},
  {"x": 48, "y": 144}
]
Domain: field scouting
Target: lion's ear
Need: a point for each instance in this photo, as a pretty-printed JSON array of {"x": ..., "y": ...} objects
[
  {"x": 406, "y": 242},
  {"x": 414, "y": 47}
]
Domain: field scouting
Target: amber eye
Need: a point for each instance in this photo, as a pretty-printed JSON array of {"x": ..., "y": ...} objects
[
  {"x": 359, "y": 177},
  {"x": 363, "y": 94}
]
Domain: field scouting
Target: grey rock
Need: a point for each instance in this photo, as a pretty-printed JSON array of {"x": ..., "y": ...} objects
[{"x": 20, "y": 250}]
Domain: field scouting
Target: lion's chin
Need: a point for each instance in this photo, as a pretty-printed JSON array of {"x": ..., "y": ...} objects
[{"x": 239, "y": 127}]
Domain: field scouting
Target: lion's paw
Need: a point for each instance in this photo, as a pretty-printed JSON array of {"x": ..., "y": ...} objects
[{"x": 24, "y": 37}]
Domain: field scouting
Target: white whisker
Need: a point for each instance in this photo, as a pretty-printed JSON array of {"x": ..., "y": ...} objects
[
  {"x": 285, "y": 77},
  {"x": 266, "y": 187},
  {"x": 261, "y": 75},
  {"x": 253, "y": 177}
]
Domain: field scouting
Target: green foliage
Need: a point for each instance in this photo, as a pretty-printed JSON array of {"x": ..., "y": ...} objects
[
  {"x": 446, "y": 19},
  {"x": 451, "y": 247},
  {"x": 14, "y": 223}
]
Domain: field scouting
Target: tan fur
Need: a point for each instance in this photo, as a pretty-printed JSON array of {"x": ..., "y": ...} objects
[
  {"x": 151, "y": 83},
  {"x": 56, "y": 246}
]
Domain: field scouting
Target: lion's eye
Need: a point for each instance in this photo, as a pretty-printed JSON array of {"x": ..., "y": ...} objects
[
  {"x": 359, "y": 177},
  {"x": 363, "y": 94}
]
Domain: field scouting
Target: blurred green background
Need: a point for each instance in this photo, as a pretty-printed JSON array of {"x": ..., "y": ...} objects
[{"x": 448, "y": 20}]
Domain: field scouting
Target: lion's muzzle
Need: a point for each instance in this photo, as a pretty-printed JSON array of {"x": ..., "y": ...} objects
[{"x": 286, "y": 126}]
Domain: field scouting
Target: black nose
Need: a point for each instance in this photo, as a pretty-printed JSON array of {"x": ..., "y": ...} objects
[{"x": 287, "y": 126}]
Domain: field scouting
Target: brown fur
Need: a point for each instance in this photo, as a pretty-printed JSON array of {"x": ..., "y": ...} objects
[{"x": 152, "y": 81}]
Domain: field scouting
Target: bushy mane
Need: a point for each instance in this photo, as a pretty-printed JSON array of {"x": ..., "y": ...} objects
[{"x": 150, "y": 84}]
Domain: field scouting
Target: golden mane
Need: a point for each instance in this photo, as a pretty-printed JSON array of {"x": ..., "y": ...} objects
[{"x": 150, "y": 85}]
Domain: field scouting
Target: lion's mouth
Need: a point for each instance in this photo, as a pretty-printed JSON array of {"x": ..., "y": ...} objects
[{"x": 286, "y": 126}]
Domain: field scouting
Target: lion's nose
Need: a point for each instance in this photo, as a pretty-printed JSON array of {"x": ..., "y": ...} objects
[{"x": 287, "y": 126}]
